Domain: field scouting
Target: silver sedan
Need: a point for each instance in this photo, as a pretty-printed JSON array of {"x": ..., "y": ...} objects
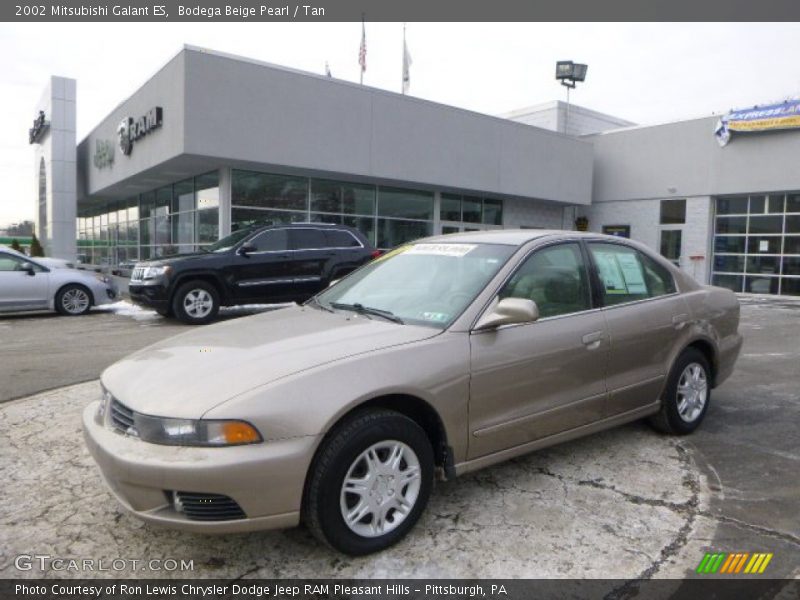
[{"x": 31, "y": 284}]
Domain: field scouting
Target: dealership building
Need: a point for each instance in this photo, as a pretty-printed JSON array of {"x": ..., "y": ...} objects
[{"x": 214, "y": 142}]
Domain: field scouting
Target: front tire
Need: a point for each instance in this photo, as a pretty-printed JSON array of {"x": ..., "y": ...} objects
[
  {"x": 196, "y": 303},
  {"x": 369, "y": 482},
  {"x": 685, "y": 400},
  {"x": 73, "y": 300}
]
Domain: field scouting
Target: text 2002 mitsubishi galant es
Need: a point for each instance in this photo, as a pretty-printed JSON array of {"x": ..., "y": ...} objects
[{"x": 444, "y": 356}]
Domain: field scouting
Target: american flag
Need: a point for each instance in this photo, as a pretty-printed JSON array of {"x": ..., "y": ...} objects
[{"x": 362, "y": 51}]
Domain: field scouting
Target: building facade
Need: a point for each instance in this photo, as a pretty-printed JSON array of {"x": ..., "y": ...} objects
[{"x": 214, "y": 142}]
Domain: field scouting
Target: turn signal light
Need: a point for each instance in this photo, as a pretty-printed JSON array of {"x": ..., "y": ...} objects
[{"x": 239, "y": 432}]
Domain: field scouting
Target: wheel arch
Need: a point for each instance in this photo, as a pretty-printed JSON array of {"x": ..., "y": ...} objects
[{"x": 408, "y": 405}]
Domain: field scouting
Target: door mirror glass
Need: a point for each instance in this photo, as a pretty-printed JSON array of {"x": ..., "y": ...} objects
[
  {"x": 246, "y": 249},
  {"x": 509, "y": 311}
]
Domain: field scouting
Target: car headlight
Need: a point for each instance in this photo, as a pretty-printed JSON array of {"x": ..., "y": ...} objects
[
  {"x": 153, "y": 272},
  {"x": 102, "y": 278},
  {"x": 191, "y": 432}
]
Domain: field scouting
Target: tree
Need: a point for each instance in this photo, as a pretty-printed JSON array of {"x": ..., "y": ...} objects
[
  {"x": 15, "y": 245},
  {"x": 36, "y": 247}
]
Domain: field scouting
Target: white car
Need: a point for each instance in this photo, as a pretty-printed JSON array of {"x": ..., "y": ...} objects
[{"x": 31, "y": 284}]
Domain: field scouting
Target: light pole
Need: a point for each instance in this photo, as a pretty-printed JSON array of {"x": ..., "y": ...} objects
[{"x": 569, "y": 73}]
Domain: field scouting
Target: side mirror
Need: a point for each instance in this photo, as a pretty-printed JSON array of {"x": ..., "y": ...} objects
[
  {"x": 246, "y": 249},
  {"x": 28, "y": 268},
  {"x": 509, "y": 311}
]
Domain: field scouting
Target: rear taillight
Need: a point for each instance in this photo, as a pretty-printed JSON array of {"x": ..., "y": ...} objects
[{"x": 376, "y": 253}]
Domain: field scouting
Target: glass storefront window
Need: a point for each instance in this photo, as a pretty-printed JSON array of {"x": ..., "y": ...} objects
[
  {"x": 147, "y": 203},
  {"x": 776, "y": 203},
  {"x": 761, "y": 244},
  {"x": 792, "y": 223},
  {"x": 405, "y": 204},
  {"x": 246, "y": 217},
  {"x": 732, "y": 282},
  {"x": 450, "y": 209},
  {"x": 492, "y": 212},
  {"x": 761, "y": 285},
  {"x": 183, "y": 228},
  {"x": 472, "y": 210},
  {"x": 183, "y": 196},
  {"x": 207, "y": 226},
  {"x": 163, "y": 198},
  {"x": 790, "y": 286},
  {"x": 392, "y": 232},
  {"x": 793, "y": 203},
  {"x": 269, "y": 191},
  {"x": 757, "y": 205},
  {"x": 342, "y": 197},
  {"x": 207, "y": 191}
]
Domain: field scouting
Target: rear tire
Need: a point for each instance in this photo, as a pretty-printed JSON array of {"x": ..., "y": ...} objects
[
  {"x": 196, "y": 302},
  {"x": 686, "y": 397},
  {"x": 369, "y": 482},
  {"x": 73, "y": 300}
]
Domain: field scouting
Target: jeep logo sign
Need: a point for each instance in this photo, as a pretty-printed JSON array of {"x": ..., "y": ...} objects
[{"x": 131, "y": 130}]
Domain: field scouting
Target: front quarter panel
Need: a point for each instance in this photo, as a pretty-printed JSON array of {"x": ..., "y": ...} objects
[{"x": 311, "y": 402}]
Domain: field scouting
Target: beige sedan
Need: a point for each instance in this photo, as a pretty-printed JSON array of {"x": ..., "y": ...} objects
[{"x": 442, "y": 357}]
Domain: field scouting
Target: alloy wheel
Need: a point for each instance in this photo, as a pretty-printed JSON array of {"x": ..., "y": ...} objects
[
  {"x": 380, "y": 488},
  {"x": 75, "y": 301},
  {"x": 692, "y": 392},
  {"x": 198, "y": 303}
]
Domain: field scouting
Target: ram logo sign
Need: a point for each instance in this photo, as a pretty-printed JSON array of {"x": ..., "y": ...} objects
[{"x": 130, "y": 130}]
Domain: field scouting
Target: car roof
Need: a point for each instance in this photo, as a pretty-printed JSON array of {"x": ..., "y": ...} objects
[{"x": 511, "y": 237}]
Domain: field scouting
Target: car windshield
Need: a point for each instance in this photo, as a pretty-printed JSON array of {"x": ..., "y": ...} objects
[
  {"x": 228, "y": 242},
  {"x": 422, "y": 284}
]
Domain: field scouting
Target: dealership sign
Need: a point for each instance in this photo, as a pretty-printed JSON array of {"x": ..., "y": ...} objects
[
  {"x": 132, "y": 129},
  {"x": 103, "y": 154},
  {"x": 40, "y": 125},
  {"x": 785, "y": 115}
]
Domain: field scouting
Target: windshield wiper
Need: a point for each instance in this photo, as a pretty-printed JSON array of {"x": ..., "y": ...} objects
[
  {"x": 368, "y": 310},
  {"x": 316, "y": 302}
]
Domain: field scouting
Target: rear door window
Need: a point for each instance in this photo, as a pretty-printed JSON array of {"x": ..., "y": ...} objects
[
  {"x": 306, "y": 239},
  {"x": 627, "y": 275},
  {"x": 338, "y": 238}
]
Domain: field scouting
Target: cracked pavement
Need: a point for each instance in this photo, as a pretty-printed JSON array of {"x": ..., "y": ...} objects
[{"x": 628, "y": 503}]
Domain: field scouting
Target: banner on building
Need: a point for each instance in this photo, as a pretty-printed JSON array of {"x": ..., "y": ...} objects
[{"x": 770, "y": 117}]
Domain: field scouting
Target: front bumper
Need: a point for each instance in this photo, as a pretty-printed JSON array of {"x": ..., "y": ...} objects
[
  {"x": 265, "y": 479},
  {"x": 149, "y": 295}
]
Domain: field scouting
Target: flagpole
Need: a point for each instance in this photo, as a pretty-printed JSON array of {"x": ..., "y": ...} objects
[
  {"x": 403, "y": 70},
  {"x": 362, "y": 53}
]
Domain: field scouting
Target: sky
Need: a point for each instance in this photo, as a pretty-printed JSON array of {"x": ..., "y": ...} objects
[{"x": 646, "y": 73}]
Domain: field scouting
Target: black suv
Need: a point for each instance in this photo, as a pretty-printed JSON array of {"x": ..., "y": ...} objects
[{"x": 278, "y": 263}]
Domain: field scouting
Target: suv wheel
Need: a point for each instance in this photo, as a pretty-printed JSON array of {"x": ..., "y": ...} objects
[
  {"x": 686, "y": 397},
  {"x": 73, "y": 300},
  {"x": 196, "y": 302},
  {"x": 369, "y": 483}
]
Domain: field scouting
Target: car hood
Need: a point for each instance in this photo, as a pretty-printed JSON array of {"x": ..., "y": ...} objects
[
  {"x": 187, "y": 375},
  {"x": 175, "y": 259}
]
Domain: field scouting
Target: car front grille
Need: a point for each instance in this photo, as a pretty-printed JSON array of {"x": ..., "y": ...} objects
[
  {"x": 137, "y": 274},
  {"x": 206, "y": 507},
  {"x": 121, "y": 416}
]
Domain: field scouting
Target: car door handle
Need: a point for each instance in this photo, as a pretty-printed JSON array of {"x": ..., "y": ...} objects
[
  {"x": 680, "y": 321},
  {"x": 592, "y": 340}
]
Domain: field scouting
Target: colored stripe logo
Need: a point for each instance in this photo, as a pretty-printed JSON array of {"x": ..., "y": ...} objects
[{"x": 734, "y": 563}]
